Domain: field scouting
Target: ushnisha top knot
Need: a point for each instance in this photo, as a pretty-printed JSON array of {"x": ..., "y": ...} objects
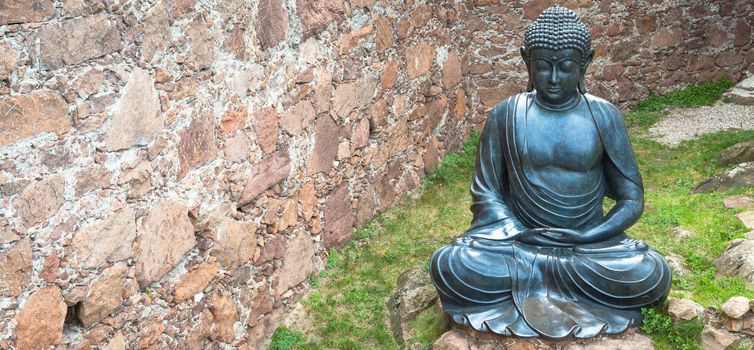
[{"x": 558, "y": 28}]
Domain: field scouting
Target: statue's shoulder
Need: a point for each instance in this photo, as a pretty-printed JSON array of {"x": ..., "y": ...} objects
[
  {"x": 603, "y": 106},
  {"x": 507, "y": 106},
  {"x": 615, "y": 139}
]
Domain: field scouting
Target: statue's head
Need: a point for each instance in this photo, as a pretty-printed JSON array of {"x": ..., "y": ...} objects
[{"x": 557, "y": 51}]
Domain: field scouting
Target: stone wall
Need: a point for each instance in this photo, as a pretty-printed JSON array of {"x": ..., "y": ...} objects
[
  {"x": 173, "y": 171},
  {"x": 641, "y": 46}
]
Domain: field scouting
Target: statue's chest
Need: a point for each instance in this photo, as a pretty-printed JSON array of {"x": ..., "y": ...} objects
[{"x": 567, "y": 140}]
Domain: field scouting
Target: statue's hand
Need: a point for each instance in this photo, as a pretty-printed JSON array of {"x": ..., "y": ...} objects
[
  {"x": 536, "y": 236},
  {"x": 565, "y": 235}
]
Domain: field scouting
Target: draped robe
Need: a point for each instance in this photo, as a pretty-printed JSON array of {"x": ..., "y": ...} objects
[{"x": 490, "y": 281}]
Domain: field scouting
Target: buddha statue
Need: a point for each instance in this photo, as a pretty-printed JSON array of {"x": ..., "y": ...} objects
[{"x": 541, "y": 258}]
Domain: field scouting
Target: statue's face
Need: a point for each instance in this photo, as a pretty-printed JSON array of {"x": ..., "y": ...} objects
[{"x": 555, "y": 74}]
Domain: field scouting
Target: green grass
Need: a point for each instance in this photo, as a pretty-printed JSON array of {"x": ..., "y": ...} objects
[
  {"x": 348, "y": 306},
  {"x": 651, "y": 109},
  {"x": 285, "y": 339},
  {"x": 348, "y": 303},
  {"x": 666, "y": 335},
  {"x": 705, "y": 94},
  {"x": 670, "y": 174}
]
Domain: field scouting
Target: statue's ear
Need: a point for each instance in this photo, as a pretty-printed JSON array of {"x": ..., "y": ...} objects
[
  {"x": 582, "y": 85},
  {"x": 589, "y": 59},
  {"x": 525, "y": 57}
]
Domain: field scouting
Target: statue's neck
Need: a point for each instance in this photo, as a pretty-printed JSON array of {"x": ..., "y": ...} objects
[{"x": 565, "y": 105}]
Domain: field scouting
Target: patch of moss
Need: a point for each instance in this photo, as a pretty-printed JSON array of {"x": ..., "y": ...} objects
[
  {"x": 744, "y": 345},
  {"x": 428, "y": 326}
]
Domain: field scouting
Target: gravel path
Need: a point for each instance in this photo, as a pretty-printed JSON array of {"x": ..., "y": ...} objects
[{"x": 687, "y": 123}]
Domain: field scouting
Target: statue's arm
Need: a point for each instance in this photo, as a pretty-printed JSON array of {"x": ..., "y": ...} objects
[
  {"x": 622, "y": 175},
  {"x": 629, "y": 204},
  {"x": 492, "y": 217}
]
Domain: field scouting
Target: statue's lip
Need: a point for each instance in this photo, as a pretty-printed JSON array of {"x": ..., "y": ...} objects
[{"x": 553, "y": 89}]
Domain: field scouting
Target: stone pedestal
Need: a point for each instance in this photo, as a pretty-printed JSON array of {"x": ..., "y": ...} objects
[{"x": 464, "y": 338}]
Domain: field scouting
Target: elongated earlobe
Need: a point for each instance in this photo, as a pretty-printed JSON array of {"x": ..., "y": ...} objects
[
  {"x": 582, "y": 86},
  {"x": 525, "y": 57}
]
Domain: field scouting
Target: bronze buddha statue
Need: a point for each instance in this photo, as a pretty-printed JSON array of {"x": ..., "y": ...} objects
[{"x": 541, "y": 257}]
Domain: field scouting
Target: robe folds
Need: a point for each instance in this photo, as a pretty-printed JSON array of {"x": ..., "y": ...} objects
[{"x": 491, "y": 282}]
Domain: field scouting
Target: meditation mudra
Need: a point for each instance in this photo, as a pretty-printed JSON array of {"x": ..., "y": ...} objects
[{"x": 541, "y": 258}]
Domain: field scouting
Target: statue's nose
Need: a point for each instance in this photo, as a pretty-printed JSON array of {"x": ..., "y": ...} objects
[{"x": 554, "y": 76}]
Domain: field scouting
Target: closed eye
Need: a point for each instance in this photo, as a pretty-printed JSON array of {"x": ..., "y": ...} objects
[
  {"x": 568, "y": 66},
  {"x": 541, "y": 65}
]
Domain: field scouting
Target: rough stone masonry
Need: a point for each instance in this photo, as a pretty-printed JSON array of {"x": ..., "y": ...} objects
[{"x": 173, "y": 171}]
